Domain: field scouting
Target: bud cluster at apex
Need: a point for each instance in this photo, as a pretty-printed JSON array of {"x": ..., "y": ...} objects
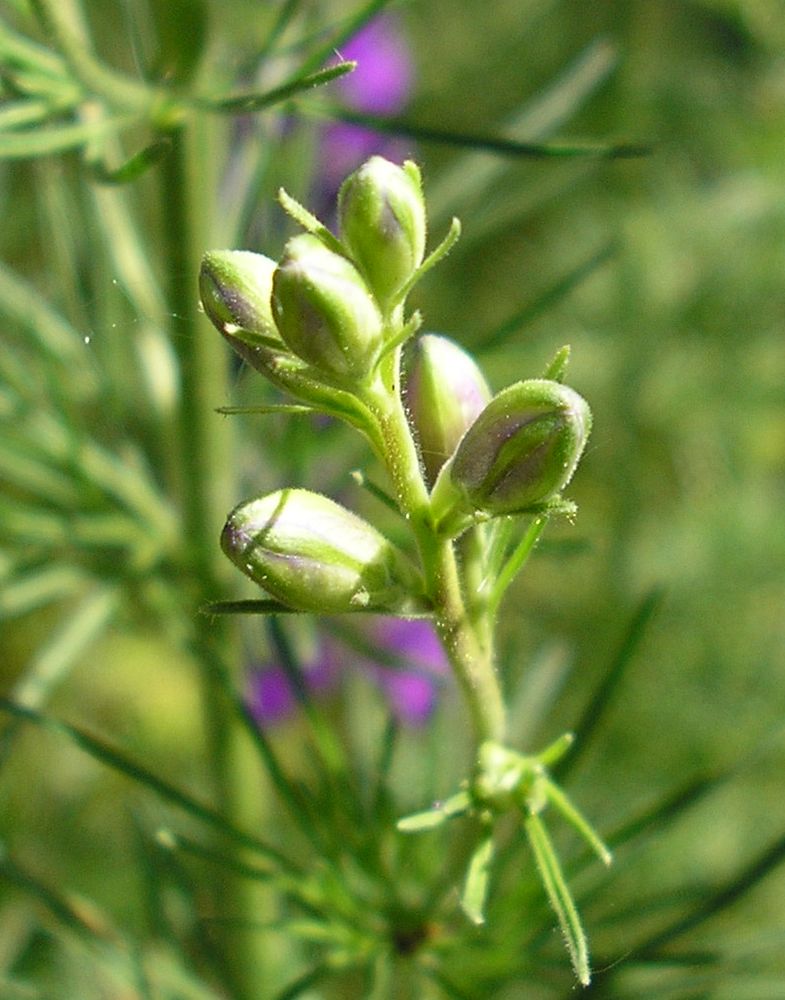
[
  {"x": 332, "y": 308},
  {"x": 333, "y": 302}
]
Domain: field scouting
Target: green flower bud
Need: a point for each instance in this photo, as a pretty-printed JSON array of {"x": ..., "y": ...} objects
[
  {"x": 235, "y": 287},
  {"x": 324, "y": 310},
  {"x": 314, "y": 555},
  {"x": 518, "y": 454},
  {"x": 382, "y": 222},
  {"x": 445, "y": 391}
]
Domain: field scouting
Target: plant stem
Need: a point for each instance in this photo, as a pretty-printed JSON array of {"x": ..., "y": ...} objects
[
  {"x": 471, "y": 659},
  {"x": 206, "y": 491}
]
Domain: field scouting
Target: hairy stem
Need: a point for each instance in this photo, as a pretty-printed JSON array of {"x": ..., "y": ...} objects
[{"x": 466, "y": 642}]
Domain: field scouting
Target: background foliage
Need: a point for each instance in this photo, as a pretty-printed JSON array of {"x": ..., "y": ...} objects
[{"x": 654, "y": 625}]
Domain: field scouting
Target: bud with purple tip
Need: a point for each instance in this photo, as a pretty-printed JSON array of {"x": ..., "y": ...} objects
[
  {"x": 312, "y": 554},
  {"x": 445, "y": 392},
  {"x": 382, "y": 223},
  {"x": 324, "y": 311},
  {"x": 517, "y": 455},
  {"x": 235, "y": 287}
]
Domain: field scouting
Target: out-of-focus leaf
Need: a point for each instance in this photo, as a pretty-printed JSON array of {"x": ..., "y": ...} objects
[
  {"x": 58, "y": 138},
  {"x": 108, "y": 755}
]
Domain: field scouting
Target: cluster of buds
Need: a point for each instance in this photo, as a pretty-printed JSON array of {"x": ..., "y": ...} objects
[
  {"x": 328, "y": 303},
  {"x": 326, "y": 324}
]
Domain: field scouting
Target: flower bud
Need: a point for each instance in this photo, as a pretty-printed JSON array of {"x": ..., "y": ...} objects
[
  {"x": 235, "y": 287},
  {"x": 382, "y": 222},
  {"x": 324, "y": 310},
  {"x": 445, "y": 391},
  {"x": 519, "y": 453},
  {"x": 314, "y": 555}
]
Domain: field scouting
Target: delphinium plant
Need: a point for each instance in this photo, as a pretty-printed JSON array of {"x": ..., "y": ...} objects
[
  {"x": 164, "y": 834},
  {"x": 474, "y": 477}
]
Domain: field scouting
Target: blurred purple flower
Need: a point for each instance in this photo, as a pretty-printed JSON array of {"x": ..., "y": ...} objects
[
  {"x": 410, "y": 666},
  {"x": 410, "y": 692},
  {"x": 270, "y": 696},
  {"x": 380, "y": 85},
  {"x": 382, "y": 81}
]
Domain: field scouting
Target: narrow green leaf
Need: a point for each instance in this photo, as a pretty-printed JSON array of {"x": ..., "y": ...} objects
[
  {"x": 117, "y": 761},
  {"x": 36, "y": 586},
  {"x": 330, "y": 759},
  {"x": 57, "y": 904},
  {"x": 27, "y": 473},
  {"x": 304, "y": 983},
  {"x": 261, "y": 606},
  {"x": 76, "y": 632},
  {"x": 266, "y": 408},
  {"x": 516, "y": 562},
  {"x": 24, "y": 113},
  {"x": 298, "y": 889},
  {"x": 134, "y": 166},
  {"x": 433, "y": 258},
  {"x": 289, "y": 793},
  {"x": 594, "y": 711},
  {"x": 559, "y": 896},
  {"x": 285, "y": 14},
  {"x": 669, "y": 808},
  {"x": 557, "y": 368},
  {"x": 58, "y": 138},
  {"x": 170, "y": 874},
  {"x": 428, "y": 819},
  {"x": 49, "y": 330},
  {"x": 309, "y": 222},
  {"x": 487, "y": 143},
  {"x": 375, "y": 490},
  {"x": 576, "y": 819},
  {"x": 349, "y": 27},
  {"x": 18, "y": 50},
  {"x": 712, "y": 903},
  {"x": 552, "y": 295},
  {"x": 475, "y": 889},
  {"x": 449, "y": 988},
  {"x": 473, "y": 176},
  {"x": 246, "y": 103}
]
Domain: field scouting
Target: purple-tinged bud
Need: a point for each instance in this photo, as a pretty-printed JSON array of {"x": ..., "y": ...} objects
[
  {"x": 311, "y": 554},
  {"x": 235, "y": 287},
  {"x": 517, "y": 455},
  {"x": 382, "y": 223},
  {"x": 445, "y": 392},
  {"x": 324, "y": 311}
]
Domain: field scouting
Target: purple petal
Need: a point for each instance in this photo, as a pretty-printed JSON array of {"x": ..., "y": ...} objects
[
  {"x": 271, "y": 698},
  {"x": 382, "y": 81},
  {"x": 414, "y": 640},
  {"x": 412, "y": 693},
  {"x": 412, "y": 697}
]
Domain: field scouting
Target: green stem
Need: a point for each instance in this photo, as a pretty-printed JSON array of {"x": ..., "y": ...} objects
[
  {"x": 206, "y": 489},
  {"x": 470, "y": 658}
]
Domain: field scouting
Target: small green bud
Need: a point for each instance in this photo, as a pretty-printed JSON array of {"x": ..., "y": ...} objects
[
  {"x": 235, "y": 287},
  {"x": 445, "y": 392},
  {"x": 382, "y": 222},
  {"x": 324, "y": 310},
  {"x": 312, "y": 554},
  {"x": 518, "y": 454}
]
